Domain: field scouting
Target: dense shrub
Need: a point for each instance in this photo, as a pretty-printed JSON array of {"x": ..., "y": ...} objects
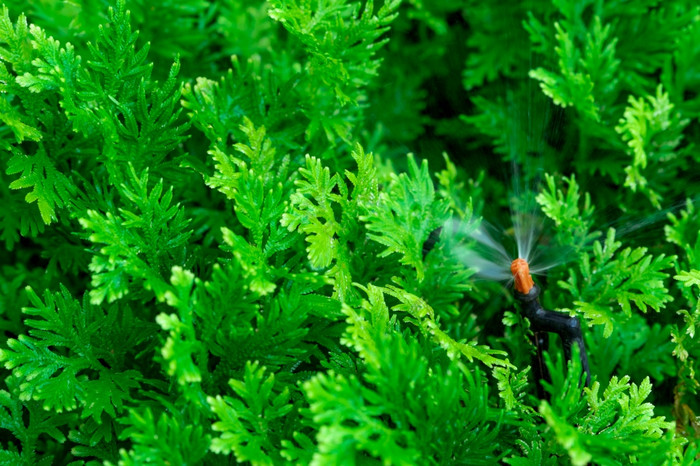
[{"x": 218, "y": 246}]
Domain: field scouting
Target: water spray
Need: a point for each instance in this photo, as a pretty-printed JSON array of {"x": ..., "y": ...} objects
[
  {"x": 543, "y": 322},
  {"x": 490, "y": 259}
]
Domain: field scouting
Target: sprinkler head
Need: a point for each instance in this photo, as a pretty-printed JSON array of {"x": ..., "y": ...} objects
[{"x": 521, "y": 273}]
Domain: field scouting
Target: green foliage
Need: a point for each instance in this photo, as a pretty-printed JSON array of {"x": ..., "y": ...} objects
[
  {"x": 634, "y": 347},
  {"x": 494, "y": 26},
  {"x": 580, "y": 73},
  {"x": 219, "y": 246},
  {"x": 182, "y": 334},
  {"x": 573, "y": 221},
  {"x": 686, "y": 350},
  {"x": 334, "y": 239},
  {"x": 341, "y": 39},
  {"x": 64, "y": 381},
  {"x": 625, "y": 277},
  {"x": 139, "y": 245},
  {"x": 248, "y": 90},
  {"x": 652, "y": 132},
  {"x": 322, "y": 226},
  {"x": 690, "y": 318},
  {"x": 168, "y": 439},
  {"x": 28, "y": 422},
  {"x": 407, "y": 213},
  {"x": 251, "y": 425},
  {"x": 28, "y": 48},
  {"x": 50, "y": 189},
  {"x": 619, "y": 426},
  {"x": 354, "y": 422},
  {"x": 257, "y": 183},
  {"x": 423, "y": 316}
]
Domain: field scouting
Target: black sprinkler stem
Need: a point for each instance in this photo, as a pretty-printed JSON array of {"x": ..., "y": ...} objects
[{"x": 543, "y": 322}]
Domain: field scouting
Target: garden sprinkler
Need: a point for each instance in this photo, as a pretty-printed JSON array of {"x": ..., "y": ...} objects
[{"x": 543, "y": 322}]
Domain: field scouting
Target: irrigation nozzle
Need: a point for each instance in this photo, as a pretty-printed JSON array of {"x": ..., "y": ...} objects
[
  {"x": 543, "y": 322},
  {"x": 521, "y": 274}
]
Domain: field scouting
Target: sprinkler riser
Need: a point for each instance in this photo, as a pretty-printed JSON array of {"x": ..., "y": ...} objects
[{"x": 543, "y": 322}]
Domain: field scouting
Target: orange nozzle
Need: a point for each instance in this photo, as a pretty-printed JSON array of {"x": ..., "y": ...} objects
[{"x": 521, "y": 273}]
